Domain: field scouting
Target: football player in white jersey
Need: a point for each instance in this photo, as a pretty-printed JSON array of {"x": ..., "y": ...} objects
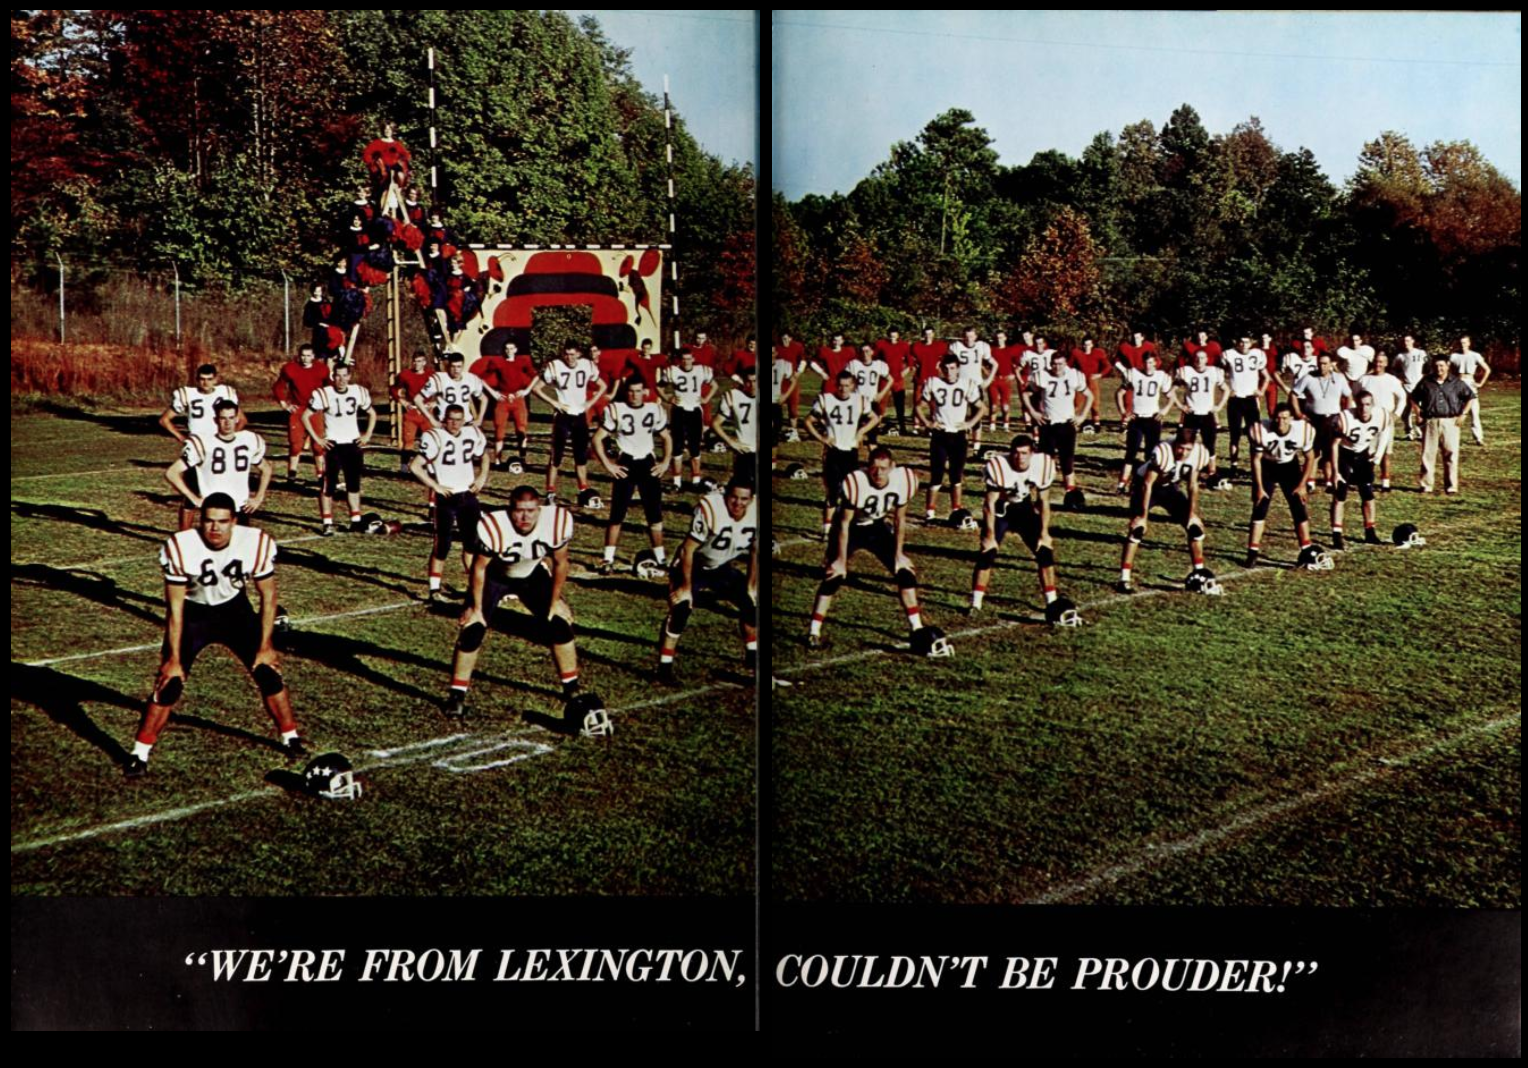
[
  {"x": 872, "y": 380},
  {"x": 1357, "y": 357},
  {"x": 206, "y": 570},
  {"x": 453, "y": 463},
  {"x": 1363, "y": 431},
  {"x": 872, "y": 517},
  {"x": 1283, "y": 457},
  {"x": 953, "y": 407},
  {"x": 1056, "y": 399},
  {"x": 840, "y": 420},
  {"x": 1246, "y": 370},
  {"x": 977, "y": 368},
  {"x": 1298, "y": 364},
  {"x": 522, "y": 554},
  {"x": 1204, "y": 395},
  {"x": 1018, "y": 498},
  {"x": 342, "y": 440},
  {"x": 783, "y": 385},
  {"x": 455, "y": 385},
  {"x": 195, "y": 403},
  {"x": 1389, "y": 396},
  {"x": 1147, "y": 395},
  {"x": 739, "y": 408},
  {"x": 1472, "y": 367},
  {"x": 222, "y": 463},
  {"x": 564, "y": 386},
  {"x": 636, "y": 426},
  {"x": 688, "y": 386},
  {"x": 724, "y": 528},
  {"x": 1410, "y": 367},
  {"x": 1320, "y": 398},
  {"x": 1169, "y": 479}
]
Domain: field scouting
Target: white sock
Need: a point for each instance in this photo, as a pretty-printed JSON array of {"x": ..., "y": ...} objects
[
  {"x": 658, "y": 554},
  {"x": 609, "y": 553},
  {"x": 976, "y": 598},
  {"x": 141, "y": 750}
]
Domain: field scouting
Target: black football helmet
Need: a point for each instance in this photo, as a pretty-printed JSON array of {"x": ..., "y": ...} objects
[
  {"x": 331, "y": 776},
  {"x": 585, "y": 715},
  {"x": 1407, "y": 536},
  {"x": 931, "y": 642},
  {"x": 1063, "y": 613}
]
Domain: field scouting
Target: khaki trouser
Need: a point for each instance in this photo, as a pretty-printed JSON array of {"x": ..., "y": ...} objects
[
  {"x": 1444, "y": 432},
  {"x": 1480, "y": 437}
]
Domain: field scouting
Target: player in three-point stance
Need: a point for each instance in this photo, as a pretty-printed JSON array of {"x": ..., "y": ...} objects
[
  {"x": 206, "y": 570},
  {"x": 453, "y": 464},
  {"x": 1018, "y": 499},
  {"x": 222, "y": 462},
  {"x": 522, "y": 553},
  {"x": 341, "y": 443},
  {"x": 636, "y": 426},
  {"x": 196, "y": 405},
  {"x": 872, "y": 515},
  {"x": 1363, "y": 435},
  {"x": 1169, "y": 479},
  {"x": 1284, "y": 457},
  {"x": 950, "y": 406},
  {"x": 725, "y": 527}
]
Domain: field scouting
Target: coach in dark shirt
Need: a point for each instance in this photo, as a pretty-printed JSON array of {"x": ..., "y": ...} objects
[{"x": 1442, "y": 403}]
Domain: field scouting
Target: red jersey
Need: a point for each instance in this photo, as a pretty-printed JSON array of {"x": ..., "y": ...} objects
[
  {"x": 895, "y": 354},
  {"x": 833, "y": 361},
  {"x": 408, "y": 384},
  {"x": 705, "y": 355},
  {"x": 795, "y": 352},
  {"x": 1135, "y": 355},
  {"x": 1005, "y": 358},
  {"x": 738, "y": 360},
  {"x": 296, "y": 383},
  {"x": 927, "y": 358},
  {"x": 1191, "y": 348},
  {"x": 491, "y": 369},
  {"x": 1091, "y": 363},
  {"x": 648, "y": 368},
  {"x": 612, "y": 366},
  {"x": 519, "y": 373}
]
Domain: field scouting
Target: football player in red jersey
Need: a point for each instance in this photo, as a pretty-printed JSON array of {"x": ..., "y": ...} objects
[
  {"x": 1000, "y": 393},
  {"x": 406, "y": 387},
  {"x": 747, "y": 356},
  {"x": 648, "y": 364},
  {"x": 1191, "y": 347},
  {"x": 1093, "y": 362},
  {"x": 510, "y": 377},
  {"x": 206, "y": 572},
  {"x": 895, "y": 352},
  {"x": 294, "y": 388},
  {"x": 794, "y": 352},
  {"x": 927, "y": 355}
]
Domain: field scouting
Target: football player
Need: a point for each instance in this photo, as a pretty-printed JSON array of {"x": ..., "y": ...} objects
[
  {"x": 950, "y": 406},
  {"x": 1169, "y": 479},
  {"x": 1472, "y": 367},
  {"x": 740, "y": 405},
  {"x": 570, "y": 385},
  {"x": 195, "y": 404},
  {"x": 896, "y": 354},
  {"x": 1018, "y": 498},
  {"x": 1094, "y": 365},
  {"x": 1355, "y": 359},
  {"x": 1247, "y": 371},
  {"x": 840, "y": 420},
  {"x": 1362, "y": 432},
  {"x": 1056, "y": 398},
  {"x": 509, "y": 378},
  {"x": 783, "y": 387},
  {"x": 341, "y": 404},
  {"x": 1283, "y": 457},
  {"x": 794, "y": 353},
  {"x": 407, "y": 386},
  {"x": 1297, "y": 364},
  {"x": 688, "y": 387},
  {"x": 1320, "y": 398},
  {"x": 637, "y": 425},
  {"x": 522, "y": 554},
  {"x": 447, "y": 458},
  {"x": 1410, "y": 366},
  {"x": 1204, "y": 395},
  {"x": 873, "y": 517},
  {"x": 872, "y": 380},
  {"x": 1145, "y": 394},
  {"x": 222, "y": 463},
  {"x": 648, "y": 364},
  {"x": 1000, "y": 392},
  {"x": 455, "y": 385},
  {"x": 926, "y": 355},
  {"x": 1389, "y": 396},
  {"x": 294, "y": 387},
  {"x": 206, "y": 571},
  {"x": 725, "y": 527}
]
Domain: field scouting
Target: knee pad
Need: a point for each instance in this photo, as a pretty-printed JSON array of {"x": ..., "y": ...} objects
[
  {"x": 470, "y": 640},
  {"x": 906, "y": 580},
  {"x": 1341, "y": 492},
  {"x": 1044, "y": 557},
  {"x": 1137, "y": 534},
  {"x": 987, "y": 560},
  {"x": 1195, "y": 532},
  {"x": 1260, "y": 509},
  {"x": 1298, "y": 511},
  {"x": 170, "y": 692},
  {"x": 559, "y": 631},
  {"x": 679, "y": 617},
  {"x": 1366, "y": 492},
  {"x": 830, "y": 585},
  {"x": 269, "y": 680}
]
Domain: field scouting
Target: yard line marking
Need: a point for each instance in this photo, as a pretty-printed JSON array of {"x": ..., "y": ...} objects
[
  {"x": 384, "y": 754},
  {"x": 142, "y": 821},
  {"x": 535, "y": 749},
  {"x": 1152, "y": 854}
]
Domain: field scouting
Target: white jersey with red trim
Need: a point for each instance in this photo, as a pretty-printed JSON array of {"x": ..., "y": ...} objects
[
  {"x": 1032, "y": 361},
  {"x": 1296, "y": 365},
  {"x": 442, "y": 391},
  {"x": 1172, "y": 471},
  {"x": 571, "y": 384},
  {"x": 722, "y": 538},
  {"x": 342, "y": 420},
  {"x": 1147, "y": 391},
  {"x": 1200, "y": 386},
  {"x": 743, "y": 409},
  {"x": 869, "y": 504},
  {"x": 635, "y": 429},
  {"x": 1059, "y": 393},
  {"x": 1017, "y": 484},
  {"x": 868, "y": 377},
  {"x": 516, "y": 555},
  {"x": 949, "y": 405},
  {"x": 841, "y": 418},
  {"x": 973, "y": 360},
  {"x": 196, "y": 406},
  {"x": 1360, "y": 437},
  {"x": 1283, "y": 448},
  {"x": 452, "y": 461},
  {"x": 686, "y": 386},
  {"x": 223, "y": 465},
  {"x": 1242, "y": 370},
  {"x": 216, "y": 576},
  {"x": 780, "y": 372}
]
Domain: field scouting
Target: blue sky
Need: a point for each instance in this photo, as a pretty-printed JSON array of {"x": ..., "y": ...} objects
[
  {"x": 846, "y": 84},
  {"x": 711, "y": 58}
]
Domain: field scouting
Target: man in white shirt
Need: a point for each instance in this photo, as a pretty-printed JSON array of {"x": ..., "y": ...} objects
[
  {"x": 1389, "y": 396},
  {"x": 1410, "y": 367},
  {"x": 1055, "y": 400},
  {"x": 949, "y": 406},
  {"x": 1472, "y": 367},
  {"x": 1320, "y": 399}
]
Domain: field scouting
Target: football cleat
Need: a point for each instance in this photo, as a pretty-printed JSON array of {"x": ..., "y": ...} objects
[
  {"x": 1075, "y": 499},
  {"x": 589, "y": 499},
  {"x": 586, "y": 714},
  {"x": 1406, "y": 536},
  {"x": 440, "y": 596},
  {"x": 793, "y": 435},
  {"x": 646, "y": 566},
  {"x": 331, "y": 776},
  {"x": 327, "y": 531},
  {"x": 1315, "y": 558},
  {"x": 551, "y": 498},
  {"x": 962, "y": 519},
  {"x": 1371, "y": 536},
  {"x": 665, "y": 674},
  {"x": 816, "y": 641},
  {"x": 1202, "y": 580},
  {"x": 1339, "y": 543},
  {"x": 1124, "y": 588},
  {"x": 295, "y": 749},
  {"x": 605, "y": 567},
  {"x": 1063, "y": 613},
  {"x": 795, "y": 472},
  {"x": 931, "y": 642},
  {"x": 135, "y": 768},
  {"x": 455, "y": 705}
]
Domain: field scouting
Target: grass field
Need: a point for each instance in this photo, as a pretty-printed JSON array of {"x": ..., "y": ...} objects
[
  {"x": 499, "y": 805},
  {"x": 1346, "y": 738}
]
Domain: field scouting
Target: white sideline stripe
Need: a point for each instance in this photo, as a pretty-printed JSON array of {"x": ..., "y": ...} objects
[
  {"x": 1153, "y": 854},
  {"x": 142, "y": 821},
  {"x": 295, "y": 622}
]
